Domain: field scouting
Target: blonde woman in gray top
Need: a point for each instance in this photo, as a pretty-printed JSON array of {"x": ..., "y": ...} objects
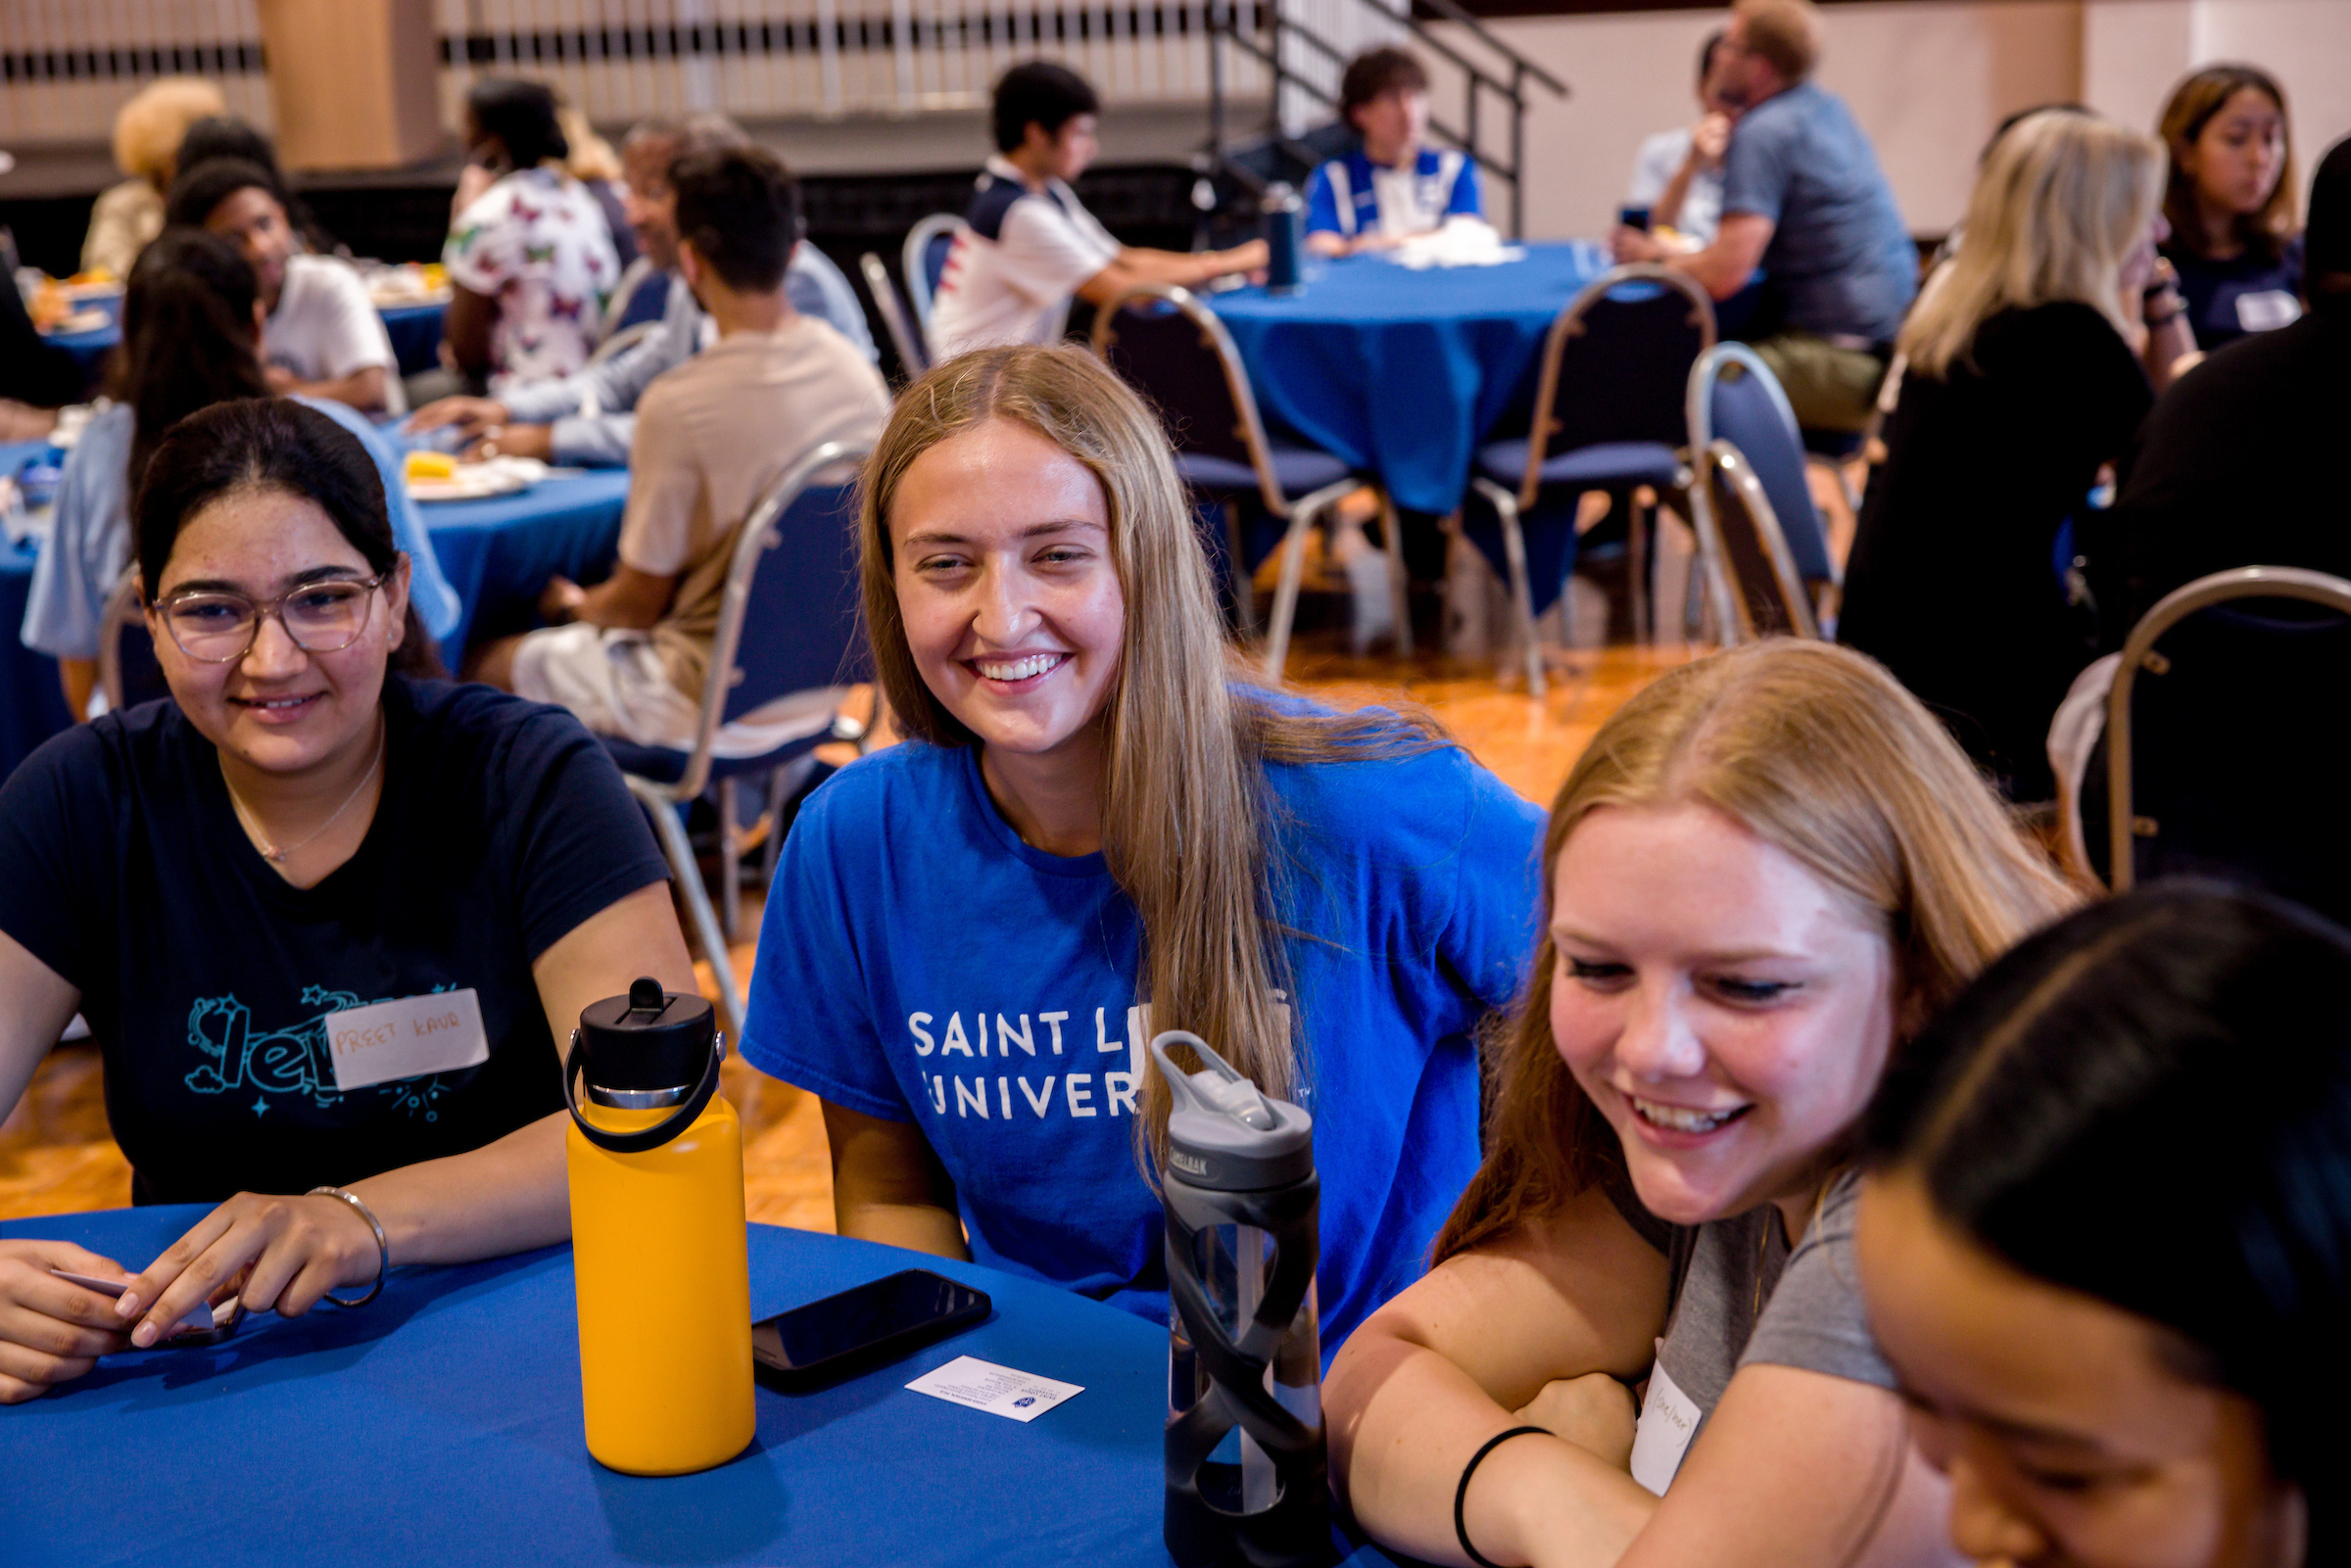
[{"x": 1767, "y": 872}]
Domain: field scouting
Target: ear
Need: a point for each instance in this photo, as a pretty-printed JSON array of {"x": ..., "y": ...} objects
[
  {"x": 396, "y": 603},
  {"x": 690, "y": 265},
  {"x": 260, "y": 322}
]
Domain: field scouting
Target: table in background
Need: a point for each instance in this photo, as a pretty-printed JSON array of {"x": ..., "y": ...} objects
[
  {"x": 414, "y": 330},
  {"x": 498, "y": 553},
  {"x": 1399, "y": 372},
  {"x": 416, "y": 333},
  {"x": 441, "y": 1425}
]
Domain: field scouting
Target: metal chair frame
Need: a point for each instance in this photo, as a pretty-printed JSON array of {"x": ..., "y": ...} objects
[
  {"x": 1509, "y": 505},
  {"x": 2139, "y": 653},
  {"x": 1725, "y": 461},
  {"x": 918, "y": 277},
  {"x": 913, "y": 353},
  {"x": 626, "y": 338},
  {"x": 124, "y": 604},
  {"x": 1299, "y": 514},
  {"x": 1703, "y": 377},
  {"x": 663, "y": 800},
  {"x": 624, "y": 292}
]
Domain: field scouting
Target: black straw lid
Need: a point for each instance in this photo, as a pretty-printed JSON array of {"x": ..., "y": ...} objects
[{"x": 648, "y": 1039}]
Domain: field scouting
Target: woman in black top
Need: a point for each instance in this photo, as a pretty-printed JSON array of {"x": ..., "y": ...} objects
[
  {"x": 265, "y": 892},
  {"x": 2230, "y": 204},
  {"x": 2024, "y": 379}
]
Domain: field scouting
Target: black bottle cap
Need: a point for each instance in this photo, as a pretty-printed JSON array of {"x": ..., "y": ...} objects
[{"x": 649, "y": 1039}]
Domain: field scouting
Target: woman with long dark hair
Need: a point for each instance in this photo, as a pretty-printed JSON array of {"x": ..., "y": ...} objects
[
  {"x": 2235, "y": 243},
  {"x": 191, "y": 337},
  {"x": 306, "y": 846},
  {"x": 2106, "y": 1238}
]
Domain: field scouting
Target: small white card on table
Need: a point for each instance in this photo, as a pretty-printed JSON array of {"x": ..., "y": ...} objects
[
  {"x": 439, "y": 1032},
  {"x": 997, "y": 1390}
]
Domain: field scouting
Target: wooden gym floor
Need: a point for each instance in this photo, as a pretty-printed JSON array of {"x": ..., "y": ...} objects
[{"x": 56, "y": 1154}]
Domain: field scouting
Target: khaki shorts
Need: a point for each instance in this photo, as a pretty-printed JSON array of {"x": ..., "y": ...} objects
[
  {"x": 618, "y": 685},
  {"x": 1830, "y": 386}
]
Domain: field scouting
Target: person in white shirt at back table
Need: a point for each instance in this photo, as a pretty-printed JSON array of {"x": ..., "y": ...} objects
[
  {"x": 1395, "y": 185},
  {"x": 325, "y": 337},
  {"x": 1027, "y": 245},
  {"x": 1678, "y": 173}
]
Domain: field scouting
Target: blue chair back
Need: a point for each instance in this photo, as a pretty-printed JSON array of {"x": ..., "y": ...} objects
[
  {"x": 128, "y": 672},
  {"x": 2223, "y": 759},
  {"x": 1173, "y": 350},
  {"x": 1734, "y": 396},
  {"x": 795, "y": 579},
  {"x": 925, "y": 260},
  {"x": 1616, "y": 363},
  {"x": 913, "y": 355}
]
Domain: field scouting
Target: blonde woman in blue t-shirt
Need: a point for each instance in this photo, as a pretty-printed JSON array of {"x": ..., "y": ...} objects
[{"x": 1101, "y": 828}]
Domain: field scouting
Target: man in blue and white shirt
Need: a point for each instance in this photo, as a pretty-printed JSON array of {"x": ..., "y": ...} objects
[{"x": 1393, "y": 187}]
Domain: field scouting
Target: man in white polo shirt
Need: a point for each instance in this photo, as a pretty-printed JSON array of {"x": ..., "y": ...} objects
[{"x": 1027, "y": 245}]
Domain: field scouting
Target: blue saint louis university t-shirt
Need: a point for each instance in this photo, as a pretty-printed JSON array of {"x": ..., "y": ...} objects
[{"x": 920, "y": 963}]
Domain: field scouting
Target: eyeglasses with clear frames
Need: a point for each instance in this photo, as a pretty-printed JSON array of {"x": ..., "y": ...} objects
[{"x": 326, "y": 616}]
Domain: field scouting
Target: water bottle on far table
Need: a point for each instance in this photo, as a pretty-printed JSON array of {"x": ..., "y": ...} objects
[
  {"x": 1245, "y": 1454},
  {"x": 1286, "y": 238},
  {"x": 658, "y": 1238}
]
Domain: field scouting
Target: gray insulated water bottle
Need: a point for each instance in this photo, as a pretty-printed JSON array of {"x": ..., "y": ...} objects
[{"x": 1245, "y": 1441}]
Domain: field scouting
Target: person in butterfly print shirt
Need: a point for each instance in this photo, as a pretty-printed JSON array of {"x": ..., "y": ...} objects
[{"x": 529, "y": 254}]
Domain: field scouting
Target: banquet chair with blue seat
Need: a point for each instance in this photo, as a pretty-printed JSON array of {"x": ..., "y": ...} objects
[
  {"x": 788, "y": 626},
  {"x": 924, "y": 261},
  {"x": 1751, "y": 574},
  {"x": 1173, "y": 350},
  {"x": 1608, "y": 416},
  {"x": 2222, "y": 758},
  {"x": 1735, "y": 398},
  {"x": 127, "y": 670},
  {"x": 913, "y": 353}
]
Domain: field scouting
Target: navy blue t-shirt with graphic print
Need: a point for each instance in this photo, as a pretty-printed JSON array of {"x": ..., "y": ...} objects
[
  {"x": 207, "y": 979},
  {"x": 920, "y": 963}
]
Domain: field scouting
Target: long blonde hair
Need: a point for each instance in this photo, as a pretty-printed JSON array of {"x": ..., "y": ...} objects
[
  {"x": 1185, "y": 817},
  {"x": 1818, "y": 752},
  {"x": 2060, "y": 202}
]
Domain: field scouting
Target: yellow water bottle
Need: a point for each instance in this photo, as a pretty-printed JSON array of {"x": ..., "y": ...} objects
[{"x": 657, "y": 1236}]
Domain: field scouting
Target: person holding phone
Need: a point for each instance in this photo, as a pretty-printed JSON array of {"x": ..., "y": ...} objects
[
  {"x": 327, "y": 921},
  {"x": 2103, "y": 1233},
  {"x": 1101, "y": 828},
  {"x": 530, "y": 257},
  {"x": 1768, "y": 870}
]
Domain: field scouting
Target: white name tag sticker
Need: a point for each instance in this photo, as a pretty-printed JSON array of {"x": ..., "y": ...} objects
[
  {"x": 1668, "y": 1421},
  {"x": 2266, "y": 311},
  {"x": 410, "y": 1038},
  {"x": 997, "y": 1390}
]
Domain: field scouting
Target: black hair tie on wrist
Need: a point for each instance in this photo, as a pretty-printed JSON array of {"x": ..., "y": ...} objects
[{"x": 1461, "y": 1493}]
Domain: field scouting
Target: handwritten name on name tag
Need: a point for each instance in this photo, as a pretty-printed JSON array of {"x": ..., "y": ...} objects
[{"x": 412, "y": 1037}]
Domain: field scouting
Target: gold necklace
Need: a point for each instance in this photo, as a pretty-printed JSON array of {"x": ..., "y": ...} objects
[{"x": 271, "y": 853}]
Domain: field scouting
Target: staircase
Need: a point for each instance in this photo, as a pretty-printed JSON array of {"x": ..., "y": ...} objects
[{"x": 1274, "y": 39}]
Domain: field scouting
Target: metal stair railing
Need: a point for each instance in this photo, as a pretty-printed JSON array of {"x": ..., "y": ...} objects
[{"x": 1260, "y": 37}]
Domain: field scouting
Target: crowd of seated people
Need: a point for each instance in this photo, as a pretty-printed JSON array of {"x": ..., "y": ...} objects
[{"x": 1824, "y": 1201}]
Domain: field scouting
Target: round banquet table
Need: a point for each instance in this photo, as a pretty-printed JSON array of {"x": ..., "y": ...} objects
[
  {"x": 90, "y": 349},
  {"x": 442, "y": 1425},
  {"x": 1398, "y": 372}
]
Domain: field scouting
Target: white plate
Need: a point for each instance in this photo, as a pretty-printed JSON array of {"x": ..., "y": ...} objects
[
  {"x": 500, "y": 476},
  {"x": 81, "y": 321},
  {"x": 399, "y": 298}
]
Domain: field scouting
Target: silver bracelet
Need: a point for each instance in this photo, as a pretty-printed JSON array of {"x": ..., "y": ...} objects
[{"x": 383, "y": 1248}]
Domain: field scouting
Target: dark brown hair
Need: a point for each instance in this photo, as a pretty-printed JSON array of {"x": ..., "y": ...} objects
[
  {"x": 1376, "y": 72},
  {"x": 2194, "y": 103}
]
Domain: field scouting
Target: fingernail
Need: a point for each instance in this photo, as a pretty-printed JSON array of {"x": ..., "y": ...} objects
[
  {"x": 143, "y": 1335},
  {"x": 126, "y": 1305}
]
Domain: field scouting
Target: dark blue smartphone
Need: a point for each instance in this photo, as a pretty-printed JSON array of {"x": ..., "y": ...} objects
[{"x": 861, "y": 1328}]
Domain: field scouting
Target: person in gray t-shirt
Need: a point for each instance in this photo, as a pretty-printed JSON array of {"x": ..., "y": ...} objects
[
  {"x": 589, "y": 418},
  {"x": 1664, "y": 1201},
  {"x": 1804, "y": 201}
]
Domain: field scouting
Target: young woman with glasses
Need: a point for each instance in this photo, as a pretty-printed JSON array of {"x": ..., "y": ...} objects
[{"x": 262, "y": 893}]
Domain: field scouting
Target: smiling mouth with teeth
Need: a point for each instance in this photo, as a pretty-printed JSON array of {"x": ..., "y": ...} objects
[
  {"x": 1676, "y": 1118},
  {"x": 1020, "y": 669}
]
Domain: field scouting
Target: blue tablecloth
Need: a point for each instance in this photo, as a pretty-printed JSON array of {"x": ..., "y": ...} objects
[
  {"x": 90, "y": 349},
  {"x": 442, "y": 1425},
  {"x": 497, "y": 553},
  {"x": 1398, "y": 372},
  {"x": 416, "y": 333},
  {"x": 414, "y": 330}
]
